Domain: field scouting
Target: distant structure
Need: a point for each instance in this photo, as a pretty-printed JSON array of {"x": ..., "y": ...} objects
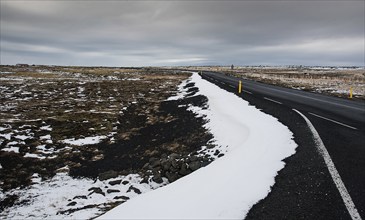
[{"x": 232, "y": 67}]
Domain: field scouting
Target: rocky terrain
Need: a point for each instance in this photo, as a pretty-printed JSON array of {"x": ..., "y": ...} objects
[{"x": 95, "y": 137}]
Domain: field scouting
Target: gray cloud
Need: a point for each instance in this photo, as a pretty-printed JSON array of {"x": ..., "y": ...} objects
[{"x": 126, "y": 33}]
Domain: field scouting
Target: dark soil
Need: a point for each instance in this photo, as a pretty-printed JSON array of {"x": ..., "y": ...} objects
[
  {"x": 146, "y": 134},
  {"x": 182, "y": 133}
]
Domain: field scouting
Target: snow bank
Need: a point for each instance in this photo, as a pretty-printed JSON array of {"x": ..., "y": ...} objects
[
  {"x": 231, "y": 185},
  {"x": 51, "y": 199}
]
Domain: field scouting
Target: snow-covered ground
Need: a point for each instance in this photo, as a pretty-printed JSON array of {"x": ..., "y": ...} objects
[
  {"x": 227, "y": 188},
  {"x": 64, "y": 197},
  {"x": 254, "y": 145}
]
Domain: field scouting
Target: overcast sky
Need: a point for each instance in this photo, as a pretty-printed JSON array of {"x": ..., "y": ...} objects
[{"x": 159, "y": 33}]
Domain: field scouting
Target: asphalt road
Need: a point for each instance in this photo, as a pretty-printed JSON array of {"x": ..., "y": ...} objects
[{"x": 304, "y": 189}]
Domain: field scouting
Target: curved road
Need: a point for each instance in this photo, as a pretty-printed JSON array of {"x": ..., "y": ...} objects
[{"x": 305, "y": 189}]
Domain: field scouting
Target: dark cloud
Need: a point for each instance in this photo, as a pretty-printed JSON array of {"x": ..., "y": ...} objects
[{"x": 127, "y": 33}]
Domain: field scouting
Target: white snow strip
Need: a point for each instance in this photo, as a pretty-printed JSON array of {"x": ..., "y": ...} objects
[
  {"x": 84, "y": 141},
  {"x": 22, "y": 137},
  {"x": 6, "y": 136},
  {"x": 318, "y": 116},
  {"x": 182, "y": 92},
  {"x": 11, "y": 149},
  {"x": 45, "y": 137},
  {"x": 11, "y": 143},
  {"x": 333, "y": 171},
  {"x": 231, "y": 185},
  {"x": 30, "y": 155},
  {"x": 46, "y": 128}
]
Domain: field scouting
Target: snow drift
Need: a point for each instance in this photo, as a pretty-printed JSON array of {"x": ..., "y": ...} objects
[{"x": 228, "y": 187}]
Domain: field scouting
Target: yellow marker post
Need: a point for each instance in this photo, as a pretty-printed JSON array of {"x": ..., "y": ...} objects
[
  {"x": 350, "y": 93},
  {"x": 240, "y": 86}
]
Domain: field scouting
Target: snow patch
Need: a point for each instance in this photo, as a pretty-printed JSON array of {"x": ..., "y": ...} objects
[
  {"x": 6, "y": 136},
  {"x": 30, "y": 155},
  {"x": 45, "y": 137},
  {"x": 228, "y": 187},
  {"x": 11, "y": 149},
  {"x": 52, "y": 198},
  {"x": 182, "y": 91},
  {"x": 46, "y": 128},
  {"x": 132, "y": 79},
  {"x": 22, "y": 137},
  {"x": 84, "y": 141}
]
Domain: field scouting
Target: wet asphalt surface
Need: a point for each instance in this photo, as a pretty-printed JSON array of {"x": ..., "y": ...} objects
[{"x": 304, "y": 189}]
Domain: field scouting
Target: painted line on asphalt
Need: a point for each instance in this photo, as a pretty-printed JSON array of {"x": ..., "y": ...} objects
[
  {"x": 272, "y": 100},
  {"x": 308, "y": 97},
  {"x": 223, "y": 83},
  {"x": 303, "y": 96},
  {"x": 232, "y": 86},
  {"x": 333, "y": 121},
  {"x": 333, "y": 171},
  {"x": 247, "y": 91}
]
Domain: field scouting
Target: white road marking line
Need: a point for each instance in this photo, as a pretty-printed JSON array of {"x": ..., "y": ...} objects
[
  {"x": 273, "y": 100},
  {"x": 223, "y": 83},
  {"x": 247, "y": 91},
  {"x": 308, "y": 97},
  {"x": 232, "y": 86},
  {"x": 333, "y": 121},
  {"x": 333, "y": 171}
]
